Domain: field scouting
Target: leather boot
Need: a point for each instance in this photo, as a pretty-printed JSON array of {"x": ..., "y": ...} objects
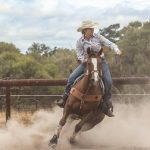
[
  {"x": 61, "y": 103},
  {"x": 107, "y": 108},
  {"x": 109, "y": 111}
]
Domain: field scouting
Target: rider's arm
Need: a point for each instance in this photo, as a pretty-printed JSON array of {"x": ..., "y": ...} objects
[
  {"x": 109, "y": 44},
  {"x": 80, "y": 51}
]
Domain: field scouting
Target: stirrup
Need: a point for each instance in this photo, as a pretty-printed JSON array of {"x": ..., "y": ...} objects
[
  {"x": 110, "y": 113},
  {"x": 61, "y": 103}
]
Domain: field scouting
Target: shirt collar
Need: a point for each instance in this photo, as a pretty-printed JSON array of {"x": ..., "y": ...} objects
[{"x": 84, "y": 38}]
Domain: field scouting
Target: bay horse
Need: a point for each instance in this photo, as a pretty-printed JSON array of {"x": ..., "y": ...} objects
[{"x": 85, "y": 99}]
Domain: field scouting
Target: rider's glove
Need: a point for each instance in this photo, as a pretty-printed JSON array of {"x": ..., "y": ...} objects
[
  {"x": 118, "y": 52},
  {"x": 85, "y": 60}
]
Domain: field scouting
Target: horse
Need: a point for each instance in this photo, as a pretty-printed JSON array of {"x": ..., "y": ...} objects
[{"x": 85, "y": 99}]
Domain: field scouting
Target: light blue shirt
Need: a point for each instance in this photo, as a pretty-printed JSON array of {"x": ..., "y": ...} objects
[{"x": 95, "y": 43}]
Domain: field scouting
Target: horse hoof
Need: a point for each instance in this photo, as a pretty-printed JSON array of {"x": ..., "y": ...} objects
[
  {"x": 72, "y": 140},
  {"x": 53, "y": 146},
  {"x": 53, "y": 142}
]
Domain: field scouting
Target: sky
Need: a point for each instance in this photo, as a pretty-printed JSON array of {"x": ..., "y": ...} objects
[{"x": 55, "y": 22}]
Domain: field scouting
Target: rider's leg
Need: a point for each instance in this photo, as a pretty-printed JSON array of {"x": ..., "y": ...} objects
[
  {"x": 73, "y": 76},
  {"x": 108, "y": 88}
]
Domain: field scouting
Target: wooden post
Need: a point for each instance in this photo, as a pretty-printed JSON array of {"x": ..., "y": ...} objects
[{"x": 8, "y": 104}]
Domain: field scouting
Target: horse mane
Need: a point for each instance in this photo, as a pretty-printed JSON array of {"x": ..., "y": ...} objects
[{"x": 92, "y": 53}]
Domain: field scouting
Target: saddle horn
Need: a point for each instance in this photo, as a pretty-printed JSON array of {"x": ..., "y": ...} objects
[{"x": 88, "y": 50}]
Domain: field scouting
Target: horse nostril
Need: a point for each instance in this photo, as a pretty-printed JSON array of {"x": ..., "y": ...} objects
[{"x": 92, "y": 79}]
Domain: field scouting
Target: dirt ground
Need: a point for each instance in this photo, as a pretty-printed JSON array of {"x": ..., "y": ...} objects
[{"x": 128, "y": 130}]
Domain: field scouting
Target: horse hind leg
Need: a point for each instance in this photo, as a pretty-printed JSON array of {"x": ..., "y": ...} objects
[
  {"x": 96, "y": 118},
  {"x": 76, "y": 131},
  {"x": 78, "y": 128},
  {"x": 54, "y": 140}
]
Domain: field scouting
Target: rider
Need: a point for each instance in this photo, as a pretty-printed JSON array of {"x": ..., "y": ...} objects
[{"x": 94, "y": 41}]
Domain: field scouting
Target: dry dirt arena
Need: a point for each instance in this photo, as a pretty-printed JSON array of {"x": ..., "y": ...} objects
[{"x": 128, "y": 130}]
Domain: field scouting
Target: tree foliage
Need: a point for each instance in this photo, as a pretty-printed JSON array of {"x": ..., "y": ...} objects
[
  {"x": 41, "y": 49},
  {"x": 111, "y": 32},
  {"x": 8, "y": 47}
]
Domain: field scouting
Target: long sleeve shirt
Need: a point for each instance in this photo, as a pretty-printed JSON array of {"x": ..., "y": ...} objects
[{"x": 95, "y": 43}]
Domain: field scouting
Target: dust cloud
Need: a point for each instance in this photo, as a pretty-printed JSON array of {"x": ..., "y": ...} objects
[{"x": 128, "y": 130}]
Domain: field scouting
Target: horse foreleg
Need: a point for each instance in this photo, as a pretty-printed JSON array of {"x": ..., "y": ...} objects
[{"x": 54, "y": 140}]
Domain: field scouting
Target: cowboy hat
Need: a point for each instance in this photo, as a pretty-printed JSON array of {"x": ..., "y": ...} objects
[{"x": 87, "y": 24}]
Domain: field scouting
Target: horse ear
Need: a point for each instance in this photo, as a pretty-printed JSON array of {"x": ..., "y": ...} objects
[
  {"x": 88, "y": 51},
  {"x": 100, "y": 52}
]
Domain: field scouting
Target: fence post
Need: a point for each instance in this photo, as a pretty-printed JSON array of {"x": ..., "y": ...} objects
[{"x": 8, "y": 104}]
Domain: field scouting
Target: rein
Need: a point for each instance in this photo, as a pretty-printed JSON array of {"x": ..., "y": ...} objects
[{"x": 95, "y": 71}]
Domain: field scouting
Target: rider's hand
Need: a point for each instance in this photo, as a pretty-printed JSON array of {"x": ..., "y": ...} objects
[
  {"x": 85, "y": 60},
  {"x": 118, "y": 52}
]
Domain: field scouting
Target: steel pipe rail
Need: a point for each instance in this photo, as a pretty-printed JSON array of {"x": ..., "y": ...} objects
[
  {"x": 46, "y": 82},
  {"x": 31, "y": 82}
]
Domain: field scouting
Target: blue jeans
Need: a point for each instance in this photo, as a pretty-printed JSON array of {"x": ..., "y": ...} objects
[{"x": 106, "y": 79}]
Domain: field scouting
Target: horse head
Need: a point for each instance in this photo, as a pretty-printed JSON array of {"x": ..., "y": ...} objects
[{"x": 93, "y": 64}]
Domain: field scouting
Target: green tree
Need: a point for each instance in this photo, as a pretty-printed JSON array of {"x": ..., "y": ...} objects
[
  {"x": 65, "y": 60},
  {"x": 31, "y": 68},
  {"x": 8, "y": 61},
  {"x": 41, "y": 49},
  {"x": 111, "y": 32},
  {"x": 8, "y": 47}
]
